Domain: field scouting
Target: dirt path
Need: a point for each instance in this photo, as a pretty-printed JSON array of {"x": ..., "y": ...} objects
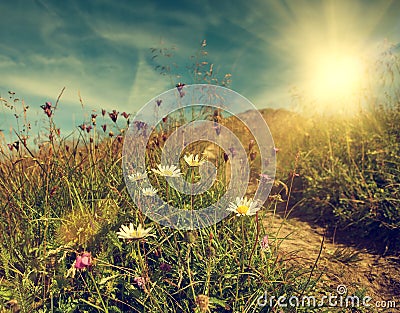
[{"x": 338, "y": 264}]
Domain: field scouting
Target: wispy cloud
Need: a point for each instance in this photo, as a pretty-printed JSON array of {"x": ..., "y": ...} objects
[
  {"x": 102, "y": 51},
  {"x": 146, "y": 85}
]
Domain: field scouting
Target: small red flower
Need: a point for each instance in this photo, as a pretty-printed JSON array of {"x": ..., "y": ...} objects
[
  {"x": 47, "y": 108},
  {"x": 113, "y": 115},
  {"x": 53, "y": 191},
  {"x": 125, "y": 115},
  {"x": 16, "y": 145}
]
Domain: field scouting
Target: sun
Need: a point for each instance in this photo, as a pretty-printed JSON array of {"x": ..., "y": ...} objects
[
  {"x": 336, "y": 76},
  {"x": 330, "y": 52},
  {"x": 335, "y": 79}
]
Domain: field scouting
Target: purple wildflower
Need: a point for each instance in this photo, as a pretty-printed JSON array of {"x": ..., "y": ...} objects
[
  {"x": 165, "y": 267},
  {"x": 265, "y": 177},
  {"x": 180, "y": 86},
  {"x": 233, "y": 151},
  {"x": 217, "y": 128}
]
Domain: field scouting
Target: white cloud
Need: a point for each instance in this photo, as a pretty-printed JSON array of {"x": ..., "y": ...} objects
[{"x": 6, "y": 62}]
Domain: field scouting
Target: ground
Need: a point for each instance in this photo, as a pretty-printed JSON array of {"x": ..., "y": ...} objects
[{"x": 300, "y": 243}]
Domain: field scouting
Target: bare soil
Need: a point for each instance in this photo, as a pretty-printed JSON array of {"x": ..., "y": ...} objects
[{"x": 306, "y": 246}]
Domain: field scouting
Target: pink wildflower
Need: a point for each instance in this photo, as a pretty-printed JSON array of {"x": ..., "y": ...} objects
[{"x": 83, "y": 260}]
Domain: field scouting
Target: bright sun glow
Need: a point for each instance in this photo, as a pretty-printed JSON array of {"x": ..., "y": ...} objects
[
  {"x": 335, "y": 80},
  {"x": 332, "y": 52},
  {"x": 336, "y": 77}
]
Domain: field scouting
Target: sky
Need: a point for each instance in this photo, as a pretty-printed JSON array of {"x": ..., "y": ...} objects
[{"x": 100, "y": 50}]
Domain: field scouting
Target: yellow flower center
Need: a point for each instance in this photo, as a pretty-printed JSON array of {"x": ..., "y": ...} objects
[{"x": 242, "y": 209}]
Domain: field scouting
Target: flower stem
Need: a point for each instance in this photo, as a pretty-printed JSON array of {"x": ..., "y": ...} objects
[{"x": 256, "y": 238}]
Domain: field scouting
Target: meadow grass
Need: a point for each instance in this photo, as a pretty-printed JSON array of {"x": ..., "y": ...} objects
[
  {"x": 63, "y": 204},
  {"x": 347, "y": 173},
  {"x": 64, "y": 201}
]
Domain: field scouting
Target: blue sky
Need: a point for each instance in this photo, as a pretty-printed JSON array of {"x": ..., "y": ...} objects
[{"x": 100, "y": 48}]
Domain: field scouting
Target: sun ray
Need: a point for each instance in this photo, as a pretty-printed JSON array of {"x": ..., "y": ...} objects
[{"x": 330, "y": 43}]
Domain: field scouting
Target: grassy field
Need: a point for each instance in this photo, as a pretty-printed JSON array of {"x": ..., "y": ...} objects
[
  {"x": 73, "y": 240},
  {"x": 347, "y": 171},
  {"x": 64, "y": 203}
]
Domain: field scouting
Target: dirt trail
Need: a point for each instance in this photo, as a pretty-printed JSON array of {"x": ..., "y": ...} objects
[{"x": 338, "y": 264}]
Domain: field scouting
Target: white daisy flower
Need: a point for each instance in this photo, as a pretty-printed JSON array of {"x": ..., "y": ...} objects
[
  {"x": 150, "y": 191},
  {"x": 130, "y": 233},
  {"x": 192, "y": 160},
  {"x": 167, "y": 171},
  {"x": 244, "y": 206},
  {"x": 137, "y": 176}
]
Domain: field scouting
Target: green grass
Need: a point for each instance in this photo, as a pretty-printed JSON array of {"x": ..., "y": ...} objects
[
  {"x": 63, "y": 196},
  {"x": 69, "y": 197},
  {"x": 348, "y": 174}
]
